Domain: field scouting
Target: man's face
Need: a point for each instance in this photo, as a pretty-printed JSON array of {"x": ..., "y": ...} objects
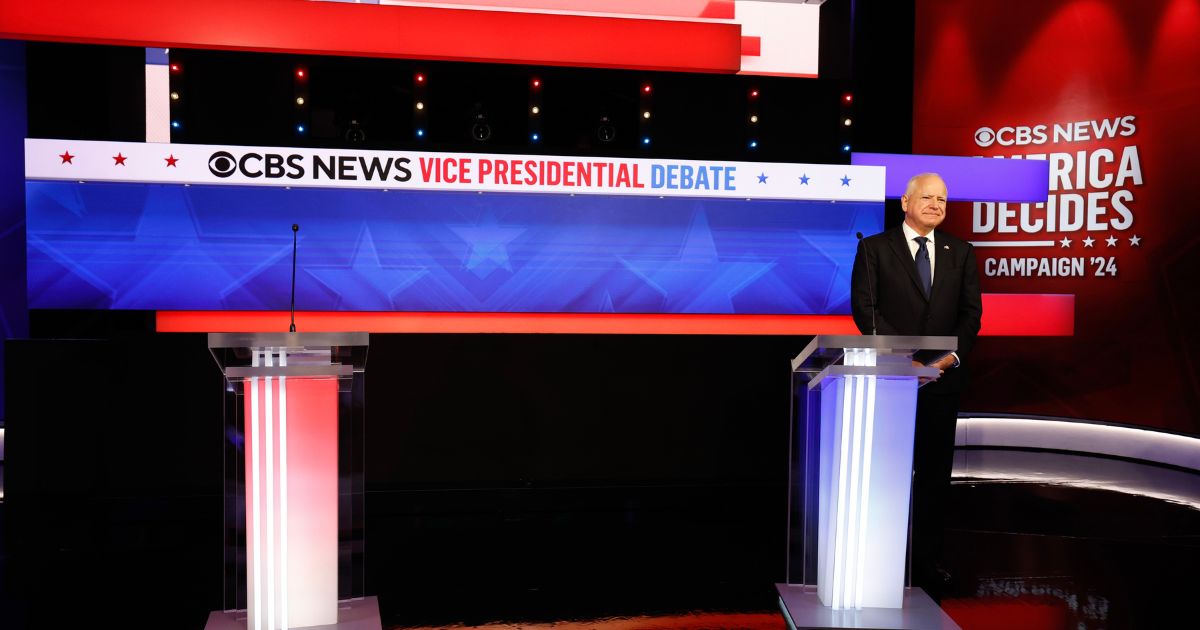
[{"x": 925, "y": 207}]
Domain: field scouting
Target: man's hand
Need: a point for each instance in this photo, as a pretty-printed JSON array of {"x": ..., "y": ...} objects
[{"x": 943, "y": 363}]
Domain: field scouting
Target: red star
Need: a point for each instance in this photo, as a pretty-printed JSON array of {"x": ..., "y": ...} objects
[
  {"x": 119, "y": 160},
  {"x": 171, "y": 160},
  {"x": 67, "y": 157}
]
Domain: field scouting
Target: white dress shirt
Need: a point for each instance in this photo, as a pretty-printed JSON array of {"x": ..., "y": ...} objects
[{"x": 911, "y": 235}]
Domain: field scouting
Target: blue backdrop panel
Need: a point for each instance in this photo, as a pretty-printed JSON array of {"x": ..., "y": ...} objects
[
  {"x": 157, "y": 246},
  {"x": 14, "y": 320}
]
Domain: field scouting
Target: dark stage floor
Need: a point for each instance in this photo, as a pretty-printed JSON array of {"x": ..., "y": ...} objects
[
  {"x": 1053, "y": 553},
  {"x": 1113, "y": 558},
  {"x": 1097, "y": 543}
]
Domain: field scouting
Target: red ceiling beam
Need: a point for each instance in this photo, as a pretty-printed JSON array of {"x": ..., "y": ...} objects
[
  {"x": 1004, "y": 314},
  {"x": 336, "y": 28}
]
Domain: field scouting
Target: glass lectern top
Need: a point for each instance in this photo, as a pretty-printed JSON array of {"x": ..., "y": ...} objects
[
  {"x": 247, "y": 355},
  {"x": 824, "y": 350}
]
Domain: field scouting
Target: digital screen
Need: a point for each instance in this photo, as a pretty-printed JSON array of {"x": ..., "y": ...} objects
[{"x": 156, "y": 246}]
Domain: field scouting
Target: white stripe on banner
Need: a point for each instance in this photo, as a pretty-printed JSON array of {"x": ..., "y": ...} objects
[{"x": 81, "y": 160}]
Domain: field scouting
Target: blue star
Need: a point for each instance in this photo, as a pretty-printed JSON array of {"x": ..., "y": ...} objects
[
  {"x": 167, "y": 250},
  {"x": 488, "y": 243},
  {"x": 696, "y": 280},
  {"x": 804, "y": 179},
  {"x": 366, "y": 283},
  {"x": 762, "y": 178},
  {"x": 845, "y": 180}
]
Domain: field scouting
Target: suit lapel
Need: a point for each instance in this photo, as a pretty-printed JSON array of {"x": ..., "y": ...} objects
[
  {"x": 941, "y": 267},
  {"x": 900, "y": 249}
]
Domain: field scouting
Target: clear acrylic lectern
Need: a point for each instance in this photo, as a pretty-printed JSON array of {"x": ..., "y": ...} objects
[
  {"x": 293, "y": 480},
  {"x": 851, "y": 445}
]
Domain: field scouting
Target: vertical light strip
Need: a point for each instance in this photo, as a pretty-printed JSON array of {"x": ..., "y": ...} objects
[
  {"x": 254, "y": 496},
  {"x": 868, "y": 454},
  {"x": 838, "y": 536},
  {"x": 855, "y": 519},
  {"x": 271, "y": 471},
  {"x": 283, "y": 495},
  {"x": 158, "y": 96}
]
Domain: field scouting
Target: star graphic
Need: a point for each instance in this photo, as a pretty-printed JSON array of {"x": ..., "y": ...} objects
[
  {"x": 366, "y": 280},
  {"x": 171, "y": 160},
  {"x": 119, "y": 160},
  {"x": 67, "y": 157},
  {"x": 1111, "y": 240},
  {"x": 1066, "y": 242},
  {"x": 762, "y": 178},
  {"x": 1135, "y": 240},
  {"x": 487, "y": 244},
  {"x": 696, "y": 280},
  {"x": 804, "y": 179},
  {"x": 845, "y": 180},
  {"x": 1087, "y": 242}
]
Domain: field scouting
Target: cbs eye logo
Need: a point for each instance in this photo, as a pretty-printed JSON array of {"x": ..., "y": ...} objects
[
  {"x": 222, "y": 164},
  {"x": 984, "y": 137}
]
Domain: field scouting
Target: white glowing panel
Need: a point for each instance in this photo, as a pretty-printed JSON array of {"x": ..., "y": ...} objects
[
  {"x": 292, "y": 511},
  {"x": 789, "y": 36},
  {"x": 867, "y": 426},
  {"x": 158, "y": 104},
  {"x": 1081, "y": 436}
]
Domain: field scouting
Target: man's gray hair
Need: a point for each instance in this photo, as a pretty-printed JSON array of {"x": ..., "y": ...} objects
[{"x": 912, "y": 182}]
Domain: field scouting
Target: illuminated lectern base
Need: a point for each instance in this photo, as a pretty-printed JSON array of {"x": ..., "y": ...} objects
[
  {"x": 851, "y": 449},
  {"x": 802, "y": 608},
  {"x": 288, "y": 386},
  {"x": 354, "y": 614}
]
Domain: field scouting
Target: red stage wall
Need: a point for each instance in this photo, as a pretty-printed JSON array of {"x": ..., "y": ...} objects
[{"x": 1109, "y": 91}]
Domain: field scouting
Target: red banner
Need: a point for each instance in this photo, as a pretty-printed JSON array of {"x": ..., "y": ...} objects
[{"x": 1109, "y": 93}]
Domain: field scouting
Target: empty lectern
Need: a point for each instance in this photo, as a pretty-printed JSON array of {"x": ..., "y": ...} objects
[{"x": 293, "y": 481}]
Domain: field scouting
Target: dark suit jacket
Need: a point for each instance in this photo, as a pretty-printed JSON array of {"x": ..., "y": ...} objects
[{"x": 953, "y": 308}]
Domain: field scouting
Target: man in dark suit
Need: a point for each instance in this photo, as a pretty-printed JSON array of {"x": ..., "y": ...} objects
[{"x": 923, "y": 282}]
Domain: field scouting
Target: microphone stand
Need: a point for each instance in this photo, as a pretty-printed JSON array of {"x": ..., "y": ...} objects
[
  {"x": 295, "y": 230},
  {"x": 870, "y": 284}
]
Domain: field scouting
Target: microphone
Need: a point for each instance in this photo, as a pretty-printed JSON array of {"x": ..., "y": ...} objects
[
  {"x": 870, "y": 285},
  {"x": 295, "y": 229}
]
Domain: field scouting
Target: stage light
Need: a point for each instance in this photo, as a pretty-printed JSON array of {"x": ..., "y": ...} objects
[
  {"x": 299, "y": 100},
  {"x": 605, "y": 131},
  {"x": 754, "y": 118},
  {"x": 537, "y": 83},
  {"x": 535, "y": 137},
  {"x": 847, "y": 98},
  {"x": 420, "y": 105},
  {"x": 535, "y": 110},
  {"x": 420, "y": 133},
  {"x": 174, "y": 124},
  {"x": 845, "y": 148},
  {"x": 846, "y": 122},
  {"x": 301, "y": 73},
  {"x": 174, "y": 96},
  {"x": 645, "y": 114},
  {"x": 176, "y": 68},
  {"x": 299, "y": 128},
  {"x": 646, "y": 89},
  {"x": 420, "y": 78},
  {"x": 754, "y": 144},
  {"x": 481, "y": 131},
  {"x": 646, "y": 140},
  {"x": 753, "y": 93}
]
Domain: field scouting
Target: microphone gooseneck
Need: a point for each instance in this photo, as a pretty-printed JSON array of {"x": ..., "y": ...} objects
[
  {"x": 295, "y": 230},
  {"x": 870, "y": 284}
]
